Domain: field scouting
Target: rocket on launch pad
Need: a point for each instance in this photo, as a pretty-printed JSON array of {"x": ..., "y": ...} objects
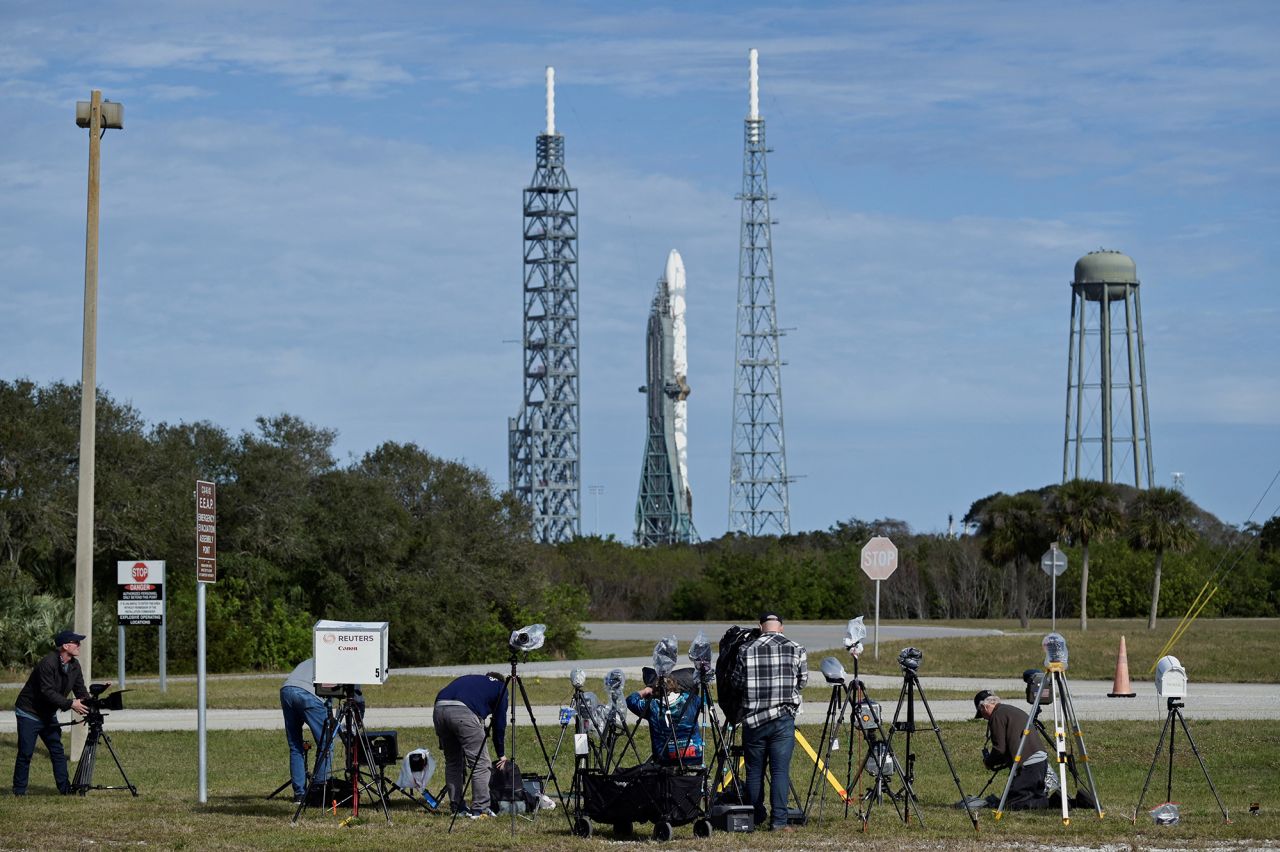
[{"x": 664, "y": 509}]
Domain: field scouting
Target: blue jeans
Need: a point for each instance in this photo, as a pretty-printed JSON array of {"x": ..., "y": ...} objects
[
  {"x": 773, "y": 741},
  {"x": 300, "y": 706},
  {"x": 47, "y": 730}
]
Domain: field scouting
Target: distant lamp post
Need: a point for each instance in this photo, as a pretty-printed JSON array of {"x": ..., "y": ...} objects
[
  {"x": 98, "y": 116},
  {"x": 595, "y": 491}
]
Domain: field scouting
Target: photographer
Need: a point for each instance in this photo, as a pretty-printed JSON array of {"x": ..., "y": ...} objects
[
  {"x": 1005, "y": 724},
  {"x": 771, "y": 673},
  {"x": 45, "y": 693},
  {"x": 458, "y": 716},
  {"x": 683, "y": 747},
  {"x": 299, "y": 704}
]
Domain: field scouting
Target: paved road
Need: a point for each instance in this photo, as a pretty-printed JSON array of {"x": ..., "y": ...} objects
[{"x": 1206, "y": 700}]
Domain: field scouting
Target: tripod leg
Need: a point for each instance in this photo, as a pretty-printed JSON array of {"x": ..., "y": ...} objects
[
  {"x": 1070, "y": 709},
  {"x": 84, "y": 769},
  {"x": 1017, "y": 759},
  {"x": 1168, "y": 719},
  {"x": 128, "y": 784},
  {"x": 824, "y": 749},
  {"x": 1060, "y": 746},
  {"x": 964, "y": 800},
  {"x": 1203, "y": 768},
  {"x": 324, "y": 747},
  {"x": 533, "y": 722},
  {"x": 377, "y": 779}
]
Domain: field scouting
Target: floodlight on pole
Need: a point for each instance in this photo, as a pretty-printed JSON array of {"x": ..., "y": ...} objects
[{"x": 98, "y": 116}]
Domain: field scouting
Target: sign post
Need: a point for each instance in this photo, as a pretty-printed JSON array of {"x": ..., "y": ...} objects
[
  {"x": 1054, "y": 563},
  {"x": 140, "y": 601},
  {"x": 879, "y": 561},
  {"x": 206, "y": 572}
]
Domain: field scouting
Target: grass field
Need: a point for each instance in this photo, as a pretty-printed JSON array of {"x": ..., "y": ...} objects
[{"x": 244, "y": 766}]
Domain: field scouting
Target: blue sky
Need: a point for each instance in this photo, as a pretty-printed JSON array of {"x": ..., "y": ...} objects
[{"x": 316, "y": 210}]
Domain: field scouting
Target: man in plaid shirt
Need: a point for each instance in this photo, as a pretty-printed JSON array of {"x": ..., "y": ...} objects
[{"x": 770, "y": 672}]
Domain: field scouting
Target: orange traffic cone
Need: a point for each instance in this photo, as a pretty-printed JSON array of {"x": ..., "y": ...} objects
[{"x": 1120, "y": 686}]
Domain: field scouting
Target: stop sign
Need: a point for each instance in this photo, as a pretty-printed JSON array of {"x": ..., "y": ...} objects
[
  {"x": 139, "y": 572},
  {"x": 879, "y": 558}
]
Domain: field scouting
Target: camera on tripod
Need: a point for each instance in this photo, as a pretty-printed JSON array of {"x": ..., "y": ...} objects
[
  {"x": 909, "y": 659},
  {"x": 1038, "y": 689},
  {"x": 528, "y": 638},
  {"x": 96, "y": 703}
]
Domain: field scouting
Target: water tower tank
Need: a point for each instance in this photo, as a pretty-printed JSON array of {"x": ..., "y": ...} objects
[{"x": 1105, "y": 271}]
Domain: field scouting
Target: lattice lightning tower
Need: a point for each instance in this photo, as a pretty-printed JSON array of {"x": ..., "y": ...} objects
[
  {"x": 545, "y": 455},
  {"x": 758, "y": 501}
]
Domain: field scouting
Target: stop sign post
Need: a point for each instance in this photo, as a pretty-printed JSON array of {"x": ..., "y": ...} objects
[
  {"x": 879, "y": 561},
  {"x": 1054, "y": 563}
]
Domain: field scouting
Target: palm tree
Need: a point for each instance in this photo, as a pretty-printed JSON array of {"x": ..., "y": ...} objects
[
  {"x": 1014, "y": 530},
  {"x": 1160, "y": 520},
  {"x": 1085, "y": 510}
]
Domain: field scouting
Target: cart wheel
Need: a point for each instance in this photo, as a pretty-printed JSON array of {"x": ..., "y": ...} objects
[
  {"x": 662, "y": 831},
  {"x": 702, "y": 828},
  {"x": 623, "y": 829},
  {"x": 582, "y": 827}
]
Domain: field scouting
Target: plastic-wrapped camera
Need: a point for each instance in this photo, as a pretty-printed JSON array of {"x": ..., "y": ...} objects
[
  {"x": 910, "y": 659},
  {"x": 528, "y": 638}
]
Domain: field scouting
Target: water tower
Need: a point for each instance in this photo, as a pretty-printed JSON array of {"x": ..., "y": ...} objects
[{"x": 1107, "y": 428}]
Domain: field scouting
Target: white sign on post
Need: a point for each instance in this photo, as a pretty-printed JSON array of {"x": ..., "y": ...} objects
[
  {"x": 1054, "y": 563},
  {"x": 879, "y": 561}
]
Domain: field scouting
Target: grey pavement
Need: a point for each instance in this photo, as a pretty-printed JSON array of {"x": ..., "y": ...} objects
[{"x": 1205, "y": 700}]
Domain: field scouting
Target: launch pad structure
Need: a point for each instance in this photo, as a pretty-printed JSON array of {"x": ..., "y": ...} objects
[
  {"x": 758, "y": 484},
  {"x": 544, "y": 439}
]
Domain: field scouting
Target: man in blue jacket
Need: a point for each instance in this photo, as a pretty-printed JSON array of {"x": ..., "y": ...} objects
[
  {"x": 459, "y": 714},
  {"x": 45, "y": 693}
]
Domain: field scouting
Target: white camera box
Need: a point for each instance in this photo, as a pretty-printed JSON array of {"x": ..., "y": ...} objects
[{"x": 350, "y": 651}]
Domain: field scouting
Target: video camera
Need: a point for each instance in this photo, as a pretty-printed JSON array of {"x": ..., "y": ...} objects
[
  {"x": 1038, "y": 690},
  {"x": 909, "y": 659},
  {"x": 527, "y": 638},
  {"x": 97, "y": 703}
]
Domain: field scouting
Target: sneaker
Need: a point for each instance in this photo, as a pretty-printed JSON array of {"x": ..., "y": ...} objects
[
  {"x": 479, "y": 813},
  {"x": 298, "y": 798}
]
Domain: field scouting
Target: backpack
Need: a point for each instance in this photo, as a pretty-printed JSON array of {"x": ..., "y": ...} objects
[{"x": 729, "y": 697}]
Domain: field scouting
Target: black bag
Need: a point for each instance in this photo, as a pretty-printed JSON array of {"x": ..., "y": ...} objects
[
  {"x": 728, "y": 697},
  {"x": 501, "y": 789}
]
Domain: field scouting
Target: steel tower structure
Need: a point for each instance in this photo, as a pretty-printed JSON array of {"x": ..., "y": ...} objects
[
  {"x": 1099, "y": 433},
  {"x": 544, "y": 440},
  {"x": 758, "y": 483},
  {"x": 664, "y": 507}
]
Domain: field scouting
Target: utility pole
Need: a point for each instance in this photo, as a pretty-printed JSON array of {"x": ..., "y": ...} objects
[{"x": 98, "y": 117}]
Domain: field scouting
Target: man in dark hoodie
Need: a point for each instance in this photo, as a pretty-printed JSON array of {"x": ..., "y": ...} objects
[{"x": 45, "y": 693}]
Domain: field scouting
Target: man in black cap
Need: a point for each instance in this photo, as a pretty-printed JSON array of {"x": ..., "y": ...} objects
[
  {"x": 45, "y": 693},
  {"x": 1005, "y": 724},
  {"x": 771, "y": 674}
]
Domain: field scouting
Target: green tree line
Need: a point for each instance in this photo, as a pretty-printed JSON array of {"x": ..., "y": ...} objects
[
  {"x": 397, "y": 535},
  {"x": 437, "y": 549}
]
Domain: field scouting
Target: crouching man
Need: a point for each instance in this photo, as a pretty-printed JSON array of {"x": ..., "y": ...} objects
[{"x": 1005, "y": 724}]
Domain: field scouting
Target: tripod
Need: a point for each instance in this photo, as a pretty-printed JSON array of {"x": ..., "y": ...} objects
[
  {"x": 907, "y": 696},
  {"x": 832, "y": 726},
  {"x": 349, "y": 723},
  {"x": 1175, "y": 712},
  {"x": 1064, "y": 714},
  {"x": 82, "y": 783},
  {"x": 482, "y": 753}
]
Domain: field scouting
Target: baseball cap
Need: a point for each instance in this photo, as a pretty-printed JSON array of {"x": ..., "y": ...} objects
[
  {"x": 66, "y": 636},
  {"x": 770, "y": 615},
  {"x": 982, "y": 696}
]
